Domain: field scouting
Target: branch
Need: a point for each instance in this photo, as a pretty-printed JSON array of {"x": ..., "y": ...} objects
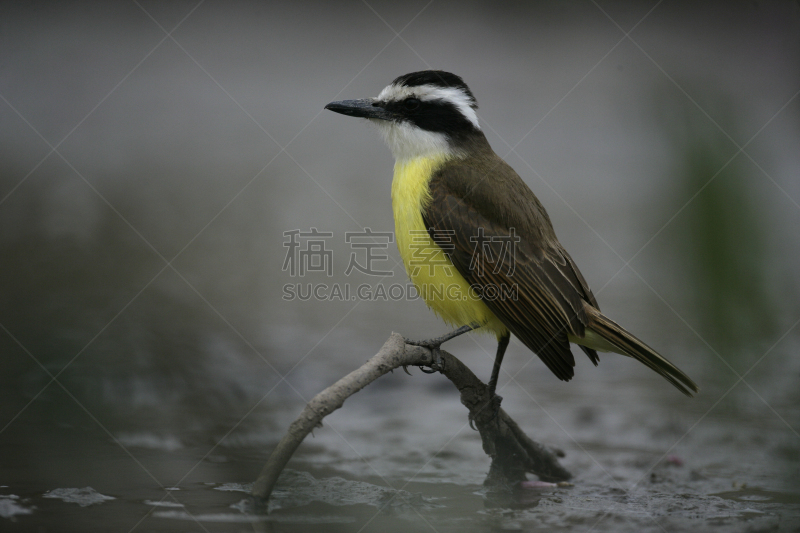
[{"x": 512, "y": 452}]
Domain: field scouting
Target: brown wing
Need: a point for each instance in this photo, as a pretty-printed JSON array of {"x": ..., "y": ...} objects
[{"x": 547, "y": 292}]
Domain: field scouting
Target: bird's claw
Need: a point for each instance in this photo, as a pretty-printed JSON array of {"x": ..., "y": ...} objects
[
  {"x": 405, "y": 369},
  {"x": 437, "y": 364},
  {"x": 495, "y": 401},
  {"x": 437, "y": 361},
  {"x": 493, "y": 404}
]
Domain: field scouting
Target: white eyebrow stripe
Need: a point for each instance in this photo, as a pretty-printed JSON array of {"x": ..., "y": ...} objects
[{"x": 426, "y": 93}]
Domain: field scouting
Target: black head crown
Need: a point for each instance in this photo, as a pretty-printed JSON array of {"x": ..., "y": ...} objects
[{"x": 436, "y": 78}]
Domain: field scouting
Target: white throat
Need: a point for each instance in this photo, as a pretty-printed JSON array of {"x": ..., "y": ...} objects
[{"x": 410, "y": 142}]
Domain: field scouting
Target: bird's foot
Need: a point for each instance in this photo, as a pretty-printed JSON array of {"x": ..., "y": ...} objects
[
  {"x": 437, "y": 361},
  {"x": 437, "y": 365},
  {"x": 486, "y": 412}
]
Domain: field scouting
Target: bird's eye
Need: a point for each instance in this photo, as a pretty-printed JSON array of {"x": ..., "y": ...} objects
[{"x": 410, "y": 104}]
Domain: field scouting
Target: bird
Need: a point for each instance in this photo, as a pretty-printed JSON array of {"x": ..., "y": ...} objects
[{"x": 475, "y": 240}]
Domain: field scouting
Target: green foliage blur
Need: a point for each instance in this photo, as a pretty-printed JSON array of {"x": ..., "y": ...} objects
[{"x": 723, "y": 237}]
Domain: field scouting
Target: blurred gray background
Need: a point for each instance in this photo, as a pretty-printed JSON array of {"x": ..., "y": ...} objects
[{"x": 153, "y": 155}]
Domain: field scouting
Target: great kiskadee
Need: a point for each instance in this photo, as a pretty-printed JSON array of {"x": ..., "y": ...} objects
[{"x": 475, "y": 240}]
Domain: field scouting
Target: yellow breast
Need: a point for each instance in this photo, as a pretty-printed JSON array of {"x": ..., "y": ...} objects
[{"x": 438, "y": 282}]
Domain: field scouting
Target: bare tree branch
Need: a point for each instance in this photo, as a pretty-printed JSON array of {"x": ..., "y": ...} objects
[{"x": 512, "y": 452}]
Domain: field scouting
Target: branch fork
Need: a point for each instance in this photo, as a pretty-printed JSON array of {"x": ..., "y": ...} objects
[{"x": 512, "y": 452}]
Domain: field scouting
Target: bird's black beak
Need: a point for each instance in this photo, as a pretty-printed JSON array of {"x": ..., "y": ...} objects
[{"x": 366, "y": 108}]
